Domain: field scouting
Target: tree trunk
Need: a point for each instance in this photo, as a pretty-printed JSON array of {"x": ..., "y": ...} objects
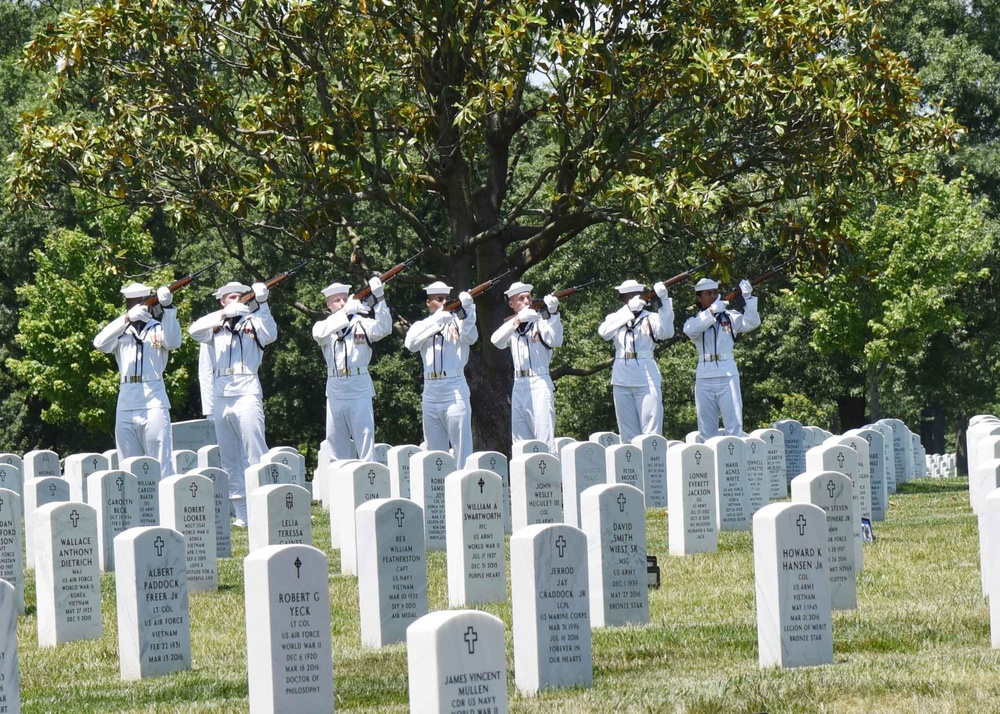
[
  {"x": 875, "y": 373},
  {"x": 490, "y": 379}
]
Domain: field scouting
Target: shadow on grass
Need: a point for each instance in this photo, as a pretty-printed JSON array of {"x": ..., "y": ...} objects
[{"x": 929, "y": 485}]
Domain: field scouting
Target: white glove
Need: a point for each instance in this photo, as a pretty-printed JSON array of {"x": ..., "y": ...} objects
[
  {"x": 442, "y": 316},
  {"x": 139, "y": 313},
  {"x": 551, "y": 304},
  {"x": 376, "y": 287},
  {"x": 260, "y": 292},
  {"x": 636, "y": 303},
  {"x": 718, "y": 306},
  {"x": 164, "y": 295},
  {"x": 528, "y": 315},
  {"x": 353, "y": 307},
  {"x": 746, "y": 288},
  {"x": 661, "y": 291},
  {"x": 467, "y": 302},
  {"x": 236, "y": 309}
]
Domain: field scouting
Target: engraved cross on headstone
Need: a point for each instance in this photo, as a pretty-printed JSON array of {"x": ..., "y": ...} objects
[
  {"x": 534, "y": 448},
  {"x": 120, "y": 483},
  {"x": 772, "y": 438},
  {"x": 628, "y": 456},
  {"x": 274, "y": 475},
  {"x": 831, "y": 487},
  {"x": 561, "y": 545},
  {"x": 1, "y": 503},
  {"x": 840, "y": 460},
  {"x": 439, "y": 463},
  {"x": 289, "y": 501},
  {"x": 753, "y": 448},
  {"x": 400, "y": 515},
  {"x": 697, "y": 458},
  {"x": 145, "y": 468},
  {"x": 621, "y": 502},
  {"x": 298, "y": 568},
  {"x": 470, "y": 639},
  {"x": 732, "y": 448},
  {"x": 801, "y": 523},
  {"x": 158, "y": 544},
  {"x": 52, "y": 490},
  {"x": 194, "y": 489},
  {"x": 371, "y": 477},
  {"x": 493, "y": 463},
  {"x": 542, "y": 466},
  {"x": 95, "y": 464},
  {"x": 74, "y": 517},
  {"x": 480, "y": 483}
]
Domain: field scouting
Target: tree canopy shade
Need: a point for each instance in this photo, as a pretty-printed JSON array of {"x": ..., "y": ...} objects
[{"x": 492, "y": 132}]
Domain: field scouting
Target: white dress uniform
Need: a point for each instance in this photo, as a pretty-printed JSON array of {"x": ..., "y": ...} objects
[
  {"x": 532, "y": 400},
  {"x": 635, "y": 376},
  {"x": 717, "y": 381},
  {"x": 142, "y": 420},
  {"x": 443, "y": 339},
  {"x": 236, "y": 351},
  {"x": 346, "y": 341}
]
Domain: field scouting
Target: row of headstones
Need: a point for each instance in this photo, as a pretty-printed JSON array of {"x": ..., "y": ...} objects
[
  {"x": 941, "y": 465},
  {"x": 452, "y": 656},
  {"x": 983, "y": 449}
]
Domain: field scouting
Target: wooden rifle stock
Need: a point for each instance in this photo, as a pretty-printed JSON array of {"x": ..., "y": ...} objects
[
  {"x": 391, "y": 273},
  {"x": 767, "y": 275},
  {"x": 275, "y": 281},
  {"x": 153, "y": 301},
  {"x": 478, "y": 290},
  {"x": 679, "y": 278}
]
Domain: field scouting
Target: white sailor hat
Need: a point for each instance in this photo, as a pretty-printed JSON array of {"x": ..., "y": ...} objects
[
  {"x": 438, "y": 288},
  {"x": 630, "y": 286},
  {"x": 232, "y": 287},
  {"x": 137, "y": 290},
  {"x": 336, "y": 289},
  {"x": 705, "y": 284},
  {"x": 517, "y": 288}
]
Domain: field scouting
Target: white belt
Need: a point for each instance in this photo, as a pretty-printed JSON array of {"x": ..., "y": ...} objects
[
  {"x": 349, "y": 372},
  {"x": 230, "y": 371},
  {"x": 441, "y": 375},
  {"x": 524, "y": 373},
  {"x": 133, "y": 378},
  {"x": 645, "y": 354},
  {"x": 716, "y": 357}
]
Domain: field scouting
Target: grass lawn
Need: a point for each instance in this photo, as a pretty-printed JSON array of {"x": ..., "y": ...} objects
[{"x": 918, "y": 642}]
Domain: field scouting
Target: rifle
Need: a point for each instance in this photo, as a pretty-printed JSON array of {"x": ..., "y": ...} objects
[
  {"x": 478, "y": 290},
  {"x": 767, "y": 275},
  {"x": 679, "y": 278},
  {"x": 391, "y": 273},
  {"x": 248, "y": 296},
  {"x": 153, "y": 302},
  {"x": 538, "y": 304}
]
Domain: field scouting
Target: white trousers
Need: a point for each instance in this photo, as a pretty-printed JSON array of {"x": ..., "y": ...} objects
[
  {"x": 450, "y": 422},
  {"x": 533, "y": 411},
  {"x": 348, "y": 419},
  {"x": 719, "y": 395},
  {"x": 239, "y": 429},
  {"x": 639, "y": 410},
  {"x": 145, "y": 432}
]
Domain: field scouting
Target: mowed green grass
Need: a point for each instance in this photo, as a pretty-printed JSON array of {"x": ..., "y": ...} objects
[{"x": 918, "y": 642}]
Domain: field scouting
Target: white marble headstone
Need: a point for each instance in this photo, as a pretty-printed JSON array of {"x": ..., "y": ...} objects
[
  {"x": 457, "y": 663},
  {"x": 114, "y": 495},
  {"x": 399, "y": 469},
  {"x": 193, "y": 434},
  {"x": 292, "y": 459},
  {"x": 289, "y": 646},
  {"x": 876, "y": 469},
  {"x": 154, "y": 625},
  {"x": 535, "y": 490},
  {"x": 497, "y": 463},
  {"x": 10, "y": 683},
  {"x": 862, "y": 476},
  {"x": 279, "y": 515},
  {"x": 833, "y": 492},
  {"x": 795, "y": 453},
  {"x": 9, "y": 459},
  {"x": 989, "y": 539},
  {"x": 11, "y": 542},
  {"x": 112, "y": 456},
  {"x": 428, "y": 470},
  {"x": 67, "y": 574},
  {"x": 333, "y": 497},
  {"x": 267, "y": 475},
  {"x": 614, "y": 519},
  {"x": 355, "y": 485},
  {"x": 223, "y": 528},
  {"x": 691, "y": 522},
  {"x": 794, "y": 622},
  {"x": 474, "y": 535},
  {"x": 38, "y": 492},
  {"x": 40, "y": 463},
  {"x": 10, "y": 478},
  {"x": 843, "y": 459},
  {"x": 147, "y": 474},
  {"x": 184, "y": 460},
  {"x": 550, "y": 608},
  {"x": 623, "y": 464},
  {"x": 561, "y": 442},
  {"x": 381, "y": 453},
  {"x": 605, "y": 438},
  {"x": 774, "y": 461},
  {"x": 76, "y": 470},
  {"x": 528, "y": 446},
  {"x": 392, "y": 569},
  {"x": 758, "y": 483},
  {"x": 209, "y": 457},
  {"x": 654, "y": 468},
  {"x": 732, "y": 496},
  {"x": 583, "y": 466},
  {"x": 187, "y": 505}
]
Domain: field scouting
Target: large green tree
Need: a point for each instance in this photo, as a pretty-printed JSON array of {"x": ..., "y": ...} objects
[{"x": 493, "y": 133}]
